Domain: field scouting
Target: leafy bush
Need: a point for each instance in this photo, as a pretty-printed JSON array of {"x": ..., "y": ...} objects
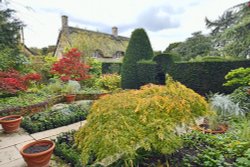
[
  {"x": 241, "y": 96},
  {"x": 95, "y": 72},
  {"x": 120, "y": 124},
  {"x": 12, "y": 82},
  {"x": 22, "y": 99},
  {"x": 70, "y": 67},
  {"x": 52, "y": 119},
  {"x": 65, "y": 149},
  {"x": 225, "y": 107},
  {"x": 72, "y": 87},
  {"x": 139, "y": 48},
  {"x": 109, "y": 82},
  {"x": 238, "y": 77},
  {"x": 210, "y": 150}
]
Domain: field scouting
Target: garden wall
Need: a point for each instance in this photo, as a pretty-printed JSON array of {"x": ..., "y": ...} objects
[
  {"x": 31, "y": 109},
  {"x": 205, "y": 77}
]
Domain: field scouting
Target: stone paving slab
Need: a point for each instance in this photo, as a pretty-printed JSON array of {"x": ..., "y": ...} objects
[
  {"x": 56, "y": 131},
  {"x": 11, "y": 139},
  {"x": 9, "y": 154},
  {"x": 20, "y": 145},
  {"x": 10, "y": 144},
  {"x": 16, "y": 163}
]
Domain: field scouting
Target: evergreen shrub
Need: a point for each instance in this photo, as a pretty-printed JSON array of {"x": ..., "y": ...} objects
[
  {"x": 205, "y": 77},
  {"x": 139, "y": 48}
]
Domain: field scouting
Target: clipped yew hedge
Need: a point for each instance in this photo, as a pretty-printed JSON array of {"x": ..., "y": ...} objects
[
  {"x": 205, "y": 77},
  {"x": 110, "y": 68}
]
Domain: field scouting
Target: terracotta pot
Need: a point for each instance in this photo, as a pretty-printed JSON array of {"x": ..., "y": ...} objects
[
  {"x": 221, "y": 129},
  {"x": 11, "y": 123},
  {"x": 70, "y": 98},
  {"x": 40, "y": 159}
]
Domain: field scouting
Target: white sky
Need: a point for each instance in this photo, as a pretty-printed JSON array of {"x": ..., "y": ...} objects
[{"x": 166, "y": 21}]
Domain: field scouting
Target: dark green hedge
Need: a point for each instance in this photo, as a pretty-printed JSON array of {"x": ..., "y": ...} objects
[
  {"x": 110, "y": 68},
  {"x": 149, "y": 72},
  {"x": 205, "y": 77}
]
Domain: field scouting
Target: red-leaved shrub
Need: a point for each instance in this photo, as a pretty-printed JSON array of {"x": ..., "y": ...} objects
[
  {"x": 70, "y": 67},
  {"x": 12, "y": 81}
]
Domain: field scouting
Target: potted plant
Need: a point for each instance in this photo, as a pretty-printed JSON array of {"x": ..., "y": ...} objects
[
  {"x": 70, "y": 90},
  {"x": 38, "y": 153},
  {"x": 225, "y": 110},
  {"x": 212, "y": 126},
  {"x": 11, "y": 123}
]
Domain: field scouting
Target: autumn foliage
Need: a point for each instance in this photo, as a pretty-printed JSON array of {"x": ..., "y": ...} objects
[
  {"x": 12, "y": 81},
  {"x": 70, "y": 67}
]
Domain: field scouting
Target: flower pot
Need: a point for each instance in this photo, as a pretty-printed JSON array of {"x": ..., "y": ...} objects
[
  {"x": 205, "y": 129},
  {"x": 70, "y": 98},
  {"x": 38, "y": 153},
  {"x": 11, "y": 123}
]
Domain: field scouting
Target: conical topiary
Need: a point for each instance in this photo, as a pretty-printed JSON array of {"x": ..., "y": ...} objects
[{"x": 139, "y": 48}]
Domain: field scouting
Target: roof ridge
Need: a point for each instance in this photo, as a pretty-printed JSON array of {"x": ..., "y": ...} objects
[{"x": 97, "y": 32}]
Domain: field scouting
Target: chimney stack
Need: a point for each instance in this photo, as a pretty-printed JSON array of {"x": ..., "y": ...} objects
[
  {"x": 115, "y": 31},
  {"x": 64, "y": 21}
]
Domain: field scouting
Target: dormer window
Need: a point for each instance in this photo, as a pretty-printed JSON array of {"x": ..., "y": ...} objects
[
  {"x": 98, "y": 53},
  {"x": 118, "y": 54}
]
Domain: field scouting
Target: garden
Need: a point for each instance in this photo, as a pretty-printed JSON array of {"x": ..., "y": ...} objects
[{"x": 143, "y": 115}]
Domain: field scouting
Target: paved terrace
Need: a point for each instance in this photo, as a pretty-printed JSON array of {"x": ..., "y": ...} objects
[{"x": 11, "y": 143}]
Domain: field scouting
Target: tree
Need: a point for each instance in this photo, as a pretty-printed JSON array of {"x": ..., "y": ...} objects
[
  {"x": 197, "y": 45},
  {"x": 9, "y": 40},
  {"x": 70, "y": 67},
  {"x": 139, "y": 48},
  {"x": 230, "y": 32}
]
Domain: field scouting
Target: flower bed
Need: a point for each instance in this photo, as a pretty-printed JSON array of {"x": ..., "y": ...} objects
[
  {"x": 66, "y": 150},
  {"x": 54, "y": 118},
  {"x": 198, "y": 149}
]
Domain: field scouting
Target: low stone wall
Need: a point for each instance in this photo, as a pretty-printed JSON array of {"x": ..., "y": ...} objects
[{"x": 31, "y": 109}]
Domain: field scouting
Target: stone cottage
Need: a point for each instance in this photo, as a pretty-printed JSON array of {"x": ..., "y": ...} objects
[{"x": 102, "y": 46}]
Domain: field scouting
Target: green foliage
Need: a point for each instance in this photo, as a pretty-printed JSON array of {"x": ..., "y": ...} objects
[
  {"x": 139, "y": 48},
  {"x": 147, "y": 72},
  {"x": 55, "y": 118},
  {"x": 204, "y": 77},
  {"x": 66, "y": 150},
  {"x": 211, "y": 150},
  {"x": 238, "y": 77},
  {"x": 72, "y": 87},
  {"x": 10, "y": 58},
  {"x": 213, "y": 58},
  {"x": 95, "y": 72},
  {"x": 225, "y": 108},
  {"x": 22, "y": 99},
  {"x": 164, "y": 61},
  {"x": 120, "y": 124},
  {"x": 109, "y": 82},
  {"x": 9, "y": 40},
  {"x": 241, "y": 96},
  {"x": 233, "y": 33},
  {"x": 110, "y": 68},
  {"x": 197, "y": 45},
  {"x": 9, "y": 29}
]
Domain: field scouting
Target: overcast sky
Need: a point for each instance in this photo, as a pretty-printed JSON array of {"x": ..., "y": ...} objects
[{"x": 166, "y": 21}]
